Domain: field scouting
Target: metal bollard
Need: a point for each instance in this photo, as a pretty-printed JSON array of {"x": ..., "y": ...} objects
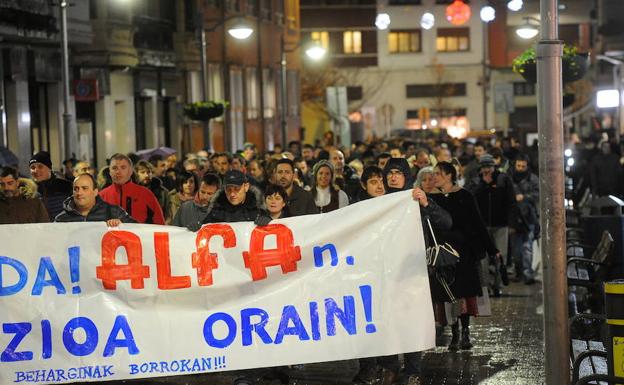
[{"x": 614, "y": 305}]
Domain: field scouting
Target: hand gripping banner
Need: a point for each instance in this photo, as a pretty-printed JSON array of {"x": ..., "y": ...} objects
[{"x": 83, "y": 302}]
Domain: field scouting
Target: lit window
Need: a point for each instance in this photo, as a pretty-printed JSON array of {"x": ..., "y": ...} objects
[
  {"x": 322, "y": 38},
  {"x": 453, "y": 39},
  {"x": 352, "y": 42},
  {"x": 404, "y": 41}
]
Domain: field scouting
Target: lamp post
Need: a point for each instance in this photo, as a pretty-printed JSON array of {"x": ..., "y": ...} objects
[
  {"x": 550, "y": 116},
  {"x": 315, "y": 52},
  {"x": 69, "y": 129},
  {"x": 240, "y": 30}
]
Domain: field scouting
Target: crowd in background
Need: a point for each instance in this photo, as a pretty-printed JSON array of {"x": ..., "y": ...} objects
[{"x": 479, "y": 195}]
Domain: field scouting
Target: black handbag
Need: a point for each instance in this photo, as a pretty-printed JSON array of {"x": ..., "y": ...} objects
[{"x": 442, "y": 259}]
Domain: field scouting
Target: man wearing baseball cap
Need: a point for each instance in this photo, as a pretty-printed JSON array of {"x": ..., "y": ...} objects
[
  {"x": 237, "y": 201},
  {"x": 53, "y": 190}
]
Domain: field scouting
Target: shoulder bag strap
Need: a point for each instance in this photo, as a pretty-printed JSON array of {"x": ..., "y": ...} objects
[{"x": 431, "y": 231}]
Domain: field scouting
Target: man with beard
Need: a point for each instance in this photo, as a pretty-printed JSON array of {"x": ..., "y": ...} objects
[
  {"x": 145, "y": 177},
  {"x": 19, "y": 202},
  {"x": 524, "y": 220},
  {"x": 300, "y": 202}
]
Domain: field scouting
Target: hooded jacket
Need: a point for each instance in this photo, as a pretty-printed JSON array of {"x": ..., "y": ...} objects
[
  {"x": 138, "y": 201},
  {"x": 401, "y": 165},
  {"x": 222, "y": 211},
  {"x": 26, "y": 208},
  {"x": 101, "y": 211}
]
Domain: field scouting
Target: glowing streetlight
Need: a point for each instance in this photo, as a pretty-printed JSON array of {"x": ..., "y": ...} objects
[
  {"x": 241, "y": 29},
  {"x": 527, "y": 30}
]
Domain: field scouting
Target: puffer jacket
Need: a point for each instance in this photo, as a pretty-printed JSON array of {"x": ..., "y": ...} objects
[
  {"x": 101, "y": 211},
  {"x": 26, "y": 208},
  {"x": 221, "y": 210}
]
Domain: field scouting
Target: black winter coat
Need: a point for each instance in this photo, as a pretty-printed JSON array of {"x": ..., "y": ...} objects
[
  {"x": 101, "y": 212},
  {"x": 495, "y": 200},
  {"x": 468, "y": 235},
  {"x": 53, "y": 192},
  {"x": 222, "y": 211}
]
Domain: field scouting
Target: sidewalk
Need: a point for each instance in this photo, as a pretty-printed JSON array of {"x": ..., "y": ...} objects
[{"x": 508, "y": 346}]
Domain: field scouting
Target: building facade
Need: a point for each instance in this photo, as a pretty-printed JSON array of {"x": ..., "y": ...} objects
[{"x": 133, "y": 67}]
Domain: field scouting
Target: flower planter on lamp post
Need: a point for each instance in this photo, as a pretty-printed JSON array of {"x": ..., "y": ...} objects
[{"x": 574, "y": 65}]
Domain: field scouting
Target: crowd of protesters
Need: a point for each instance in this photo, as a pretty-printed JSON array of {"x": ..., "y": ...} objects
[{"x": 481, "y": 197}]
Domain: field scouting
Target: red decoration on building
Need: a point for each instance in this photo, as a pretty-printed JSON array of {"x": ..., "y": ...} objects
[{"x": 458, "y": 13}]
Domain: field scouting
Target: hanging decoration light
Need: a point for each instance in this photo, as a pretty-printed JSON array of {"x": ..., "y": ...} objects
[
  {"x": 458, "y": 12},
  {"x": 488, "y": 14},
  {"x": 427, "y": 21},
  {"x": 515, "y": 5},
  {"x": 382, "y": 21}
]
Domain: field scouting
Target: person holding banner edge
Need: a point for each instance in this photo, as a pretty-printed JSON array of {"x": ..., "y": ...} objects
[{"x": 372, "y": 187}]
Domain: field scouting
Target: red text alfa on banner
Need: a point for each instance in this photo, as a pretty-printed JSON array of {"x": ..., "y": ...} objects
[{"x": 286, "y": 254}]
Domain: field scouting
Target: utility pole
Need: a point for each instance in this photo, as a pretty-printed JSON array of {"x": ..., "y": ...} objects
[
  {"x": 69, "y": 130},
  {"x": 284, "y": 93},
  {"x": 201, "y": 31},
  {"x": 550, "y": 117}
]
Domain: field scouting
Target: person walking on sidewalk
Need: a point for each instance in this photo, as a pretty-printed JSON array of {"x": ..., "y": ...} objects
[{"x": 469, "y": 236}]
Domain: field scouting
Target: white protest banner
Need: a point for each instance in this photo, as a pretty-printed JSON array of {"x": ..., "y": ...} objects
[{"x": 81, "y": 302}]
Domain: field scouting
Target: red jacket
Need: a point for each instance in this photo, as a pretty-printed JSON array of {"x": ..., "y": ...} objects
[{"x": 138, "y": 201}]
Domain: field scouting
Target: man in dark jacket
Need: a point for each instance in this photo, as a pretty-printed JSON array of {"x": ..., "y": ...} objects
[
  {"x": 86, "y": 206},
  {"x": 52, "y": 190},
  {"x": 237, "y": 201},
  {"x": 300, "y": 202},
  {"x": 494, "y": 193},
  {"x": 345, "y": 177},
  {"x": 138, "y": 201},
  {"x": 19, "y": 201},
  {"x": 524, "y": 220},
  {"x": 606, "y": 172}
]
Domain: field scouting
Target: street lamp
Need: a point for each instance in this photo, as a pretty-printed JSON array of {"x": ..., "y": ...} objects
[
  {"x": 239, "y": 30},
  {"x": 70, "y": 134},
  {"x": 527, "y": 30},
  {"x": 487, "y": 14},
  {"x": 314, "y": 51}
]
